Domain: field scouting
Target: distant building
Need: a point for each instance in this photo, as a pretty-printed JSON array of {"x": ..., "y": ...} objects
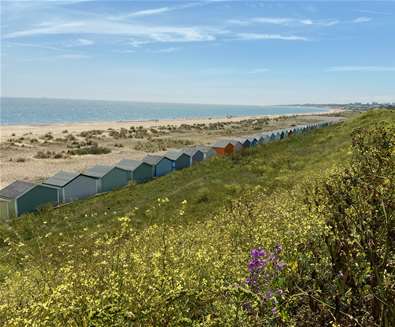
[
  {"x": 223, "y": 147},
  {"x": 160, "y": 165},
  {"x": 179, "y": 158},
  {"x": 237, "y": 146},
  {"x": 22, "y": 197},
  {"x": 139, "y": 171},
  {"x": 245, "y": 142},
  {"x": 108, "y": 178},
  {"x": 208, "y": 152},
  {"x": 195, "y": 154},
  {"x": 72, "y": 186},
  {"x": 253, "y": 140}
]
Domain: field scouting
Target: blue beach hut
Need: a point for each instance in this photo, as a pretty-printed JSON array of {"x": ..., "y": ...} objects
[
  {"x": 160, "y": 165},
  {"x": 180, "y": 159}
]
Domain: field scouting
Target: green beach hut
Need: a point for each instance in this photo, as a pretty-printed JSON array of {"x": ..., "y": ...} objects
[
  {"x": 139, "y": 171},
  {"x": 23, "y": 197},
  {"x": 108, "y": 178}
]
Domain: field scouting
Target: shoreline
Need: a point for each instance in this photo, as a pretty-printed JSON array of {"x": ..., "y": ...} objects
[{"x": 6, "y": 131}]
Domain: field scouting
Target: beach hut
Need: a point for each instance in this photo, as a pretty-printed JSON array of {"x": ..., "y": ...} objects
[
  {"x": 207, "y": 151},
  {"x": 4, "y": 209},
  {"x": 23, "y": 197},
  {"x": 253, "y": 140},
  {"x": 179, "y": 158},
  {"x": 237, "y": 146},
  {"x": 266, "y": 137},
  {"x": 108, "y": 178},
  {"x": 195, "y": 154},
  {"x": 223, "y": 147},
  {"x": 139, "y": 171},
  {"x": 245, "y": 142},
  {"x": 260, "y": 138},
  {"x": 72, "y": 186},
  {"x": 160, "y": 165}
]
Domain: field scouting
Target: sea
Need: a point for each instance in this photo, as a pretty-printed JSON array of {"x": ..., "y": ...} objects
[{"x": 36, "y": 111}]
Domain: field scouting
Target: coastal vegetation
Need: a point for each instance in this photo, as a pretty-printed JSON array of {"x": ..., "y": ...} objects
[{"x": 298, "y": 232}]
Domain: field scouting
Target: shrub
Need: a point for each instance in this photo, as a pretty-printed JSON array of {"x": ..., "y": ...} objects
[
  {"x": 43, "y": 155},
  {"x": 350, "y": 276},
  {"x": 94, "y": 149}
]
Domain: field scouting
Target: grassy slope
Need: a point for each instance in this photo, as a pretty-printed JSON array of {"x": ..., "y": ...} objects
[{"x": 207, "y": 187}]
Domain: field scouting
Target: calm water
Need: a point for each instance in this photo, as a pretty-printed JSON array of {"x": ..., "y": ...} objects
[{"x": 43, "y": 111}]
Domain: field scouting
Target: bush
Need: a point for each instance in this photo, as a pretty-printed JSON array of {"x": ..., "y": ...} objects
[
  {"x": 350, "y": 274},
  {"x": 94, "y": 149},
  {"x": 43, "y": 155}
]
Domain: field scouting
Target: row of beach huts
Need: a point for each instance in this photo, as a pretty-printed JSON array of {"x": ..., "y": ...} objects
[{"x": 21, "y": 197}]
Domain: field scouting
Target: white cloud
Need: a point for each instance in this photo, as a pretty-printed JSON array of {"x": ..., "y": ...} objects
[
  {"x": 85, "y": 42},
  {"x": 271, "y": 20},
  {"x": 361, "y": 69},
  {"x": 258, "y": 36},
  {"x": 73, "y": 56},
  {"x": 142, "y": 33},
  {"x": 285, "y": 21},
  {"x": 362, "y": 20},
  {"x": 147, "y": 12},
  {"x": 164, "y": 50},
  {"x": 32, "y": 45},
  {"x": 238, "y": 22},
  {"x": 153, "y": 11}
]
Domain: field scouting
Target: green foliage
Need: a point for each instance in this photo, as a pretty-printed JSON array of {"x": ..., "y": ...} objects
[
  {"x": 93, "y": 149},
  {"x": 129, "y": 258},
  {"x": 157, "y": 144},
  {"x": 352, "y": 271}
]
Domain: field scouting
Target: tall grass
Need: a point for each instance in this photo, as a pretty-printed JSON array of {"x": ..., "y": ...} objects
[{"x": 175, "y": 251}]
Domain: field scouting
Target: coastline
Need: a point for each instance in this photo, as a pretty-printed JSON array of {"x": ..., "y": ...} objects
[{"x": 6, "y": 131}]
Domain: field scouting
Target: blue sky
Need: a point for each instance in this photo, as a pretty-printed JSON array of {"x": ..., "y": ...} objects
[{"x": 208, "y": 51}]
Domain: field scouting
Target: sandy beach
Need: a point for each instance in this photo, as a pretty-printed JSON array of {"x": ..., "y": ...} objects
[
  {"x": 6, "y": 131},
  {"x": 35, "y": 152}
]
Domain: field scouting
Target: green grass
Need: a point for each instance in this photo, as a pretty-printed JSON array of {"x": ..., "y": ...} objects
[
  {"x": 125, "y": 257},
  {"x": 207, "y": 187}
]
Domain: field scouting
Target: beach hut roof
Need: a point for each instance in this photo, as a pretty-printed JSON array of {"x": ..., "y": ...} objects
[
  {"x": 174, "y": 154},
  {"x": 234, "y": 142},
  {"x": 252, "y": 138},
  {"x": 61, "y": 178},
  {"x": 152, "y": 159},
  {"x": 241, "y": 139},
  {"x": 131, "y": 165},
  {"x": 221, "y": 143},
  {"x": 191, "y": 151},
  {"x": 16, "y": 189},
  {"x": 204, "y": 149},
  {"x": 98, "y": 171}
]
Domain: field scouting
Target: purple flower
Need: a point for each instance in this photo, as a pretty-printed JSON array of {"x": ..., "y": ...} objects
[
  {"x": 256, "y": 253},
  {"x": 256, "y": 264},
  {"x": 278, "y": 248},
  {"x": 274, "y": 311}
]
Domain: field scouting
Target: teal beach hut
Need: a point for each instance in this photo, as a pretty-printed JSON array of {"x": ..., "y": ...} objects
[
  {"x": 22, "y": 197},
  {"x": 253, "y": 140},
  {"x": 195, "y": 154},
  {"x": 208, "y": 152},
  {"x": 160, "y": 165},
  {"x": 180, "y": 159},
  {"x": 108, "y": 178},
  {"x": 139, "y": 171}
]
